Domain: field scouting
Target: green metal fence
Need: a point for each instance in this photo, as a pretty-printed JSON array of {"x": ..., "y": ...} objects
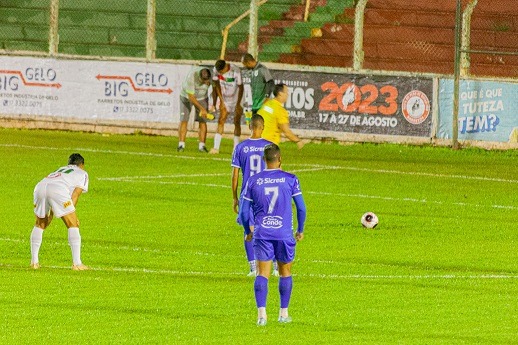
[{"x": 355, "y": 34}]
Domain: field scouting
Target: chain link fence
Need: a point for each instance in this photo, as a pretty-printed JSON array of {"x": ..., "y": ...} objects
[
  {"x": 491, "y": 44},
  {"x": 358, "y": 34},
  {"x": 24, "y": 26}
]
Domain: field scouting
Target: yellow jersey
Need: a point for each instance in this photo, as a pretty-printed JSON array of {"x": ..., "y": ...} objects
[{"x": 274, "y": 114}]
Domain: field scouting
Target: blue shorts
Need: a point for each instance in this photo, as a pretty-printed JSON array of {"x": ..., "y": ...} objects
[{"x": 281, "y": 250}]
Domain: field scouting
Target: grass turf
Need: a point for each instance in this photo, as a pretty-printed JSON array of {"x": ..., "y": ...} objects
[{"x": 169, "y": 267}]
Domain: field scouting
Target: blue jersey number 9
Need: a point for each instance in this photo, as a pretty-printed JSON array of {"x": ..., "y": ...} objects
[{"x": 255, "y": 164}]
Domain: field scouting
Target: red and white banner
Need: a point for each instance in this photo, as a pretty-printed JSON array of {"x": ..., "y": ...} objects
[
  {"x": 91, "y": 89},
  {"x": 136, "y": 91}
]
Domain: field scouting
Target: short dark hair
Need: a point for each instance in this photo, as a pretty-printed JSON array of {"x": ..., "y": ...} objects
[
  {"x": 205, "y": 74},
  {"x": 272, "y": 153},
  {"x": 257, "y": 120},
  {"x": 220, "y": 65},
  {"x": 278, "y": 88},
  {"x": 76, "y": 159},
  {"x": 247, "y": 58}
]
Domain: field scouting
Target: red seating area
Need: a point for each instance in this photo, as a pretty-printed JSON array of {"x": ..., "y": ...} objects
[
  {"x": 275, "y": 28},
  {"x": 418, "y": 36}
]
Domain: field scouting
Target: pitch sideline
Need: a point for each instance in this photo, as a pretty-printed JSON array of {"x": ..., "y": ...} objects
[
  {"x": 322, "y": 276},
  {"x": 480, "y": 178}
]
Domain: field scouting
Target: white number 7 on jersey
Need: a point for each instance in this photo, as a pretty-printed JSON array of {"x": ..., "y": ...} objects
[{"x": 275, "y": 192}]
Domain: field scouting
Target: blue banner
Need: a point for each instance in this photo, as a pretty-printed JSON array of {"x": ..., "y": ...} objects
[{"x": 488, "y": 111}]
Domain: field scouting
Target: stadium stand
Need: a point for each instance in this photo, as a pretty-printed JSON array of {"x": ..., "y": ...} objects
[
  {"x": 196, "y": 33},
  {"x": 284, "y": 35},
  {"x": 397, "y": 36},
  {"x": 495, "y": 28},
  {"x": 184, "y": 29},
  {"x": 104, "y": 28},
  {"x": 417, "y": 38},
  {"x": 24, "y": 25}
]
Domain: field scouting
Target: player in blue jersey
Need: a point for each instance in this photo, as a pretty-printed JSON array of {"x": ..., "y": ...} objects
[
  {"x": 269, "y": 193},
  {"x": 248, "y": 157}
]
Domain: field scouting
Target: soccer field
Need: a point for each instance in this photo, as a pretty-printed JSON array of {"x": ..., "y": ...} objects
[{"x": 167, "y": 258}]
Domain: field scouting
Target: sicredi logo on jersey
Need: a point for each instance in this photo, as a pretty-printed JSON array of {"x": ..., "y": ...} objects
[
  {"x": 268, "y": 180},
  {"x": 247, "y": 149}
]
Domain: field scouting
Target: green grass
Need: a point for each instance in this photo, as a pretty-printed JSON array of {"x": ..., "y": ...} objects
[{"x": 169, "y": 268}]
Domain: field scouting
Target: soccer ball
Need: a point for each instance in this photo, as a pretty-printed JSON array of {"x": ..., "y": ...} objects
[{"x": 369, "y": 220}]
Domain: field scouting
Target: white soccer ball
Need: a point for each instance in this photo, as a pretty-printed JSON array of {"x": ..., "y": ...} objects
[{"x": 369, "y": 220}]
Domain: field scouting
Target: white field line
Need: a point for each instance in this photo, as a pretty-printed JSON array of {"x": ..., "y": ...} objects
[
  {"x": 205, "y": 254},
  {"x": 229, "y": 174},
  {"x": 321, "y": 276},
  {"x": 313, "y": 168},
  {"x": 127, "y": 178},
  {"x": 361, "y": 196},
  {"x": 150, "y": 154},
  {"x": 208, "y": 273},
  {"x": 133, "y": 153},
  {"x": 410, "y": 276},
  {"x": 464, "y": 177},
  {"x": 424, "y": 201},
  {"x": 64, "y": 243}
]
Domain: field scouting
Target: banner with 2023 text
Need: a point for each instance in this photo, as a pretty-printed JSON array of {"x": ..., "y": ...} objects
[
  {"x": 389, "y": 105},
  {"x": 91, "y": 89},
  {"x": 149, "y": 92}
]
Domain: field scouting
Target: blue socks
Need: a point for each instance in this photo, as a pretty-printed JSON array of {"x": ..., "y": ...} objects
[
  {"x": 285, "y": 287},
  {"x": 249, "y": 248},
  {"x": 261, "y": 291}
]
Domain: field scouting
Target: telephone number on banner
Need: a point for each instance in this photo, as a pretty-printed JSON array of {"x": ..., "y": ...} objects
[{"x": 132, "y": 110}]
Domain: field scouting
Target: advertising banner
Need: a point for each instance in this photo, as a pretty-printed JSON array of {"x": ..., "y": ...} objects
[
  {"x": 387, "y": 105},
  {"x": 91, "y": 89},
  {"x": 488, "y": 111},
  {"x": 135, "y": 91}
]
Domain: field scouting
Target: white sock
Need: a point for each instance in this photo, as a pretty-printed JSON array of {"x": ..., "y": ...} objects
[
  {"x": 217, "y": 141},
  {"x": 236, "y": 141},
  {"x": 252, "y": 265},
  {"x": 261, "y": 313},
  {"x": 283, "y": 312},
  {"x": 275, "y": 267},
  {"x": 74, "y": 239},
  {"x": 36, "y": 238},
  {"x": 201, "y": 145},
  {"x": 181, "y": 144}
]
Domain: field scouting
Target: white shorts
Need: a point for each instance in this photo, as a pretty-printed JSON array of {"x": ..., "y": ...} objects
[
  {"x": 230, "y": 103},
  {"x": 231, "y": 107},
  {"x": 52, "y": 197}
]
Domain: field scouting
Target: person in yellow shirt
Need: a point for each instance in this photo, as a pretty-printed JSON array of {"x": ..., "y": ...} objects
[{"x": 276, "y": 117}]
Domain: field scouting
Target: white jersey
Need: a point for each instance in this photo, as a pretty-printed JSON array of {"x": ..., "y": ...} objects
[
  {"x": 54, "y": 192},
  {"x": 69, "y": 177},
  {"x": 194, "y": 85},
  {"x": 229, "y": 83}
]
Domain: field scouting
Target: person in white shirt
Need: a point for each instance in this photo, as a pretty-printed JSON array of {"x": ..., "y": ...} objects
[
  {"x": 194, "y": 93},
  {"x": 56, "y": 196},
  {"x": 228, "y": 88}
]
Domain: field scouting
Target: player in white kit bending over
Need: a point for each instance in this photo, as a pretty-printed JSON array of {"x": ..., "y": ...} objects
[
  {"x": 56, "y": 196},
  {"x": 228, "y": 87}
]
